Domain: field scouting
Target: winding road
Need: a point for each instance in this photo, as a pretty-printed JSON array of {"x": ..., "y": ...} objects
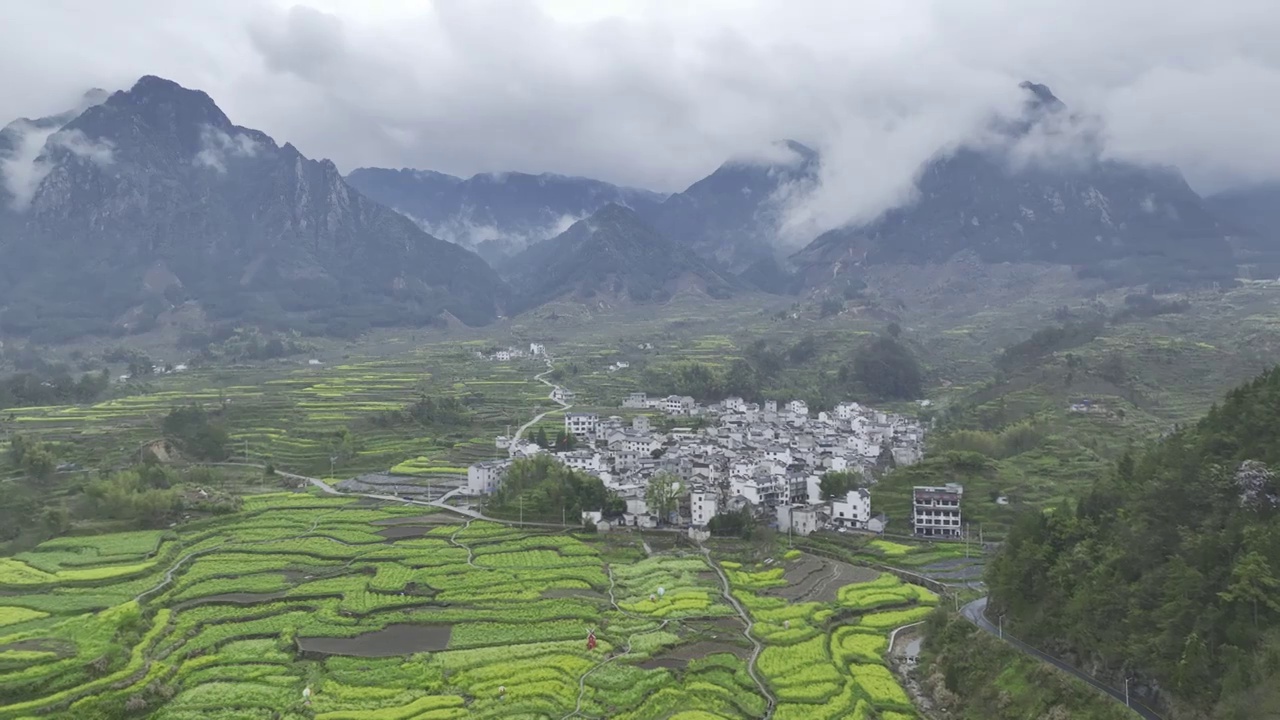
[
  {"x": 540, "y": 377},
  {"x": 976, "y": 613}
]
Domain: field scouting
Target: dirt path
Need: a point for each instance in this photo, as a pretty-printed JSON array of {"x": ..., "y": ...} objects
[
  {"x": 757, "y": 647},
  {"x": 471, "y": 556},
  {"x": 582, "y": 681}
]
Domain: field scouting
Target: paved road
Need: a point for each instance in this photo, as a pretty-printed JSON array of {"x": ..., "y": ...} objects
[
  {"x": 550, "y": 396},
  {"x": 441, "y": 504},
  {"x": 976, "y": 613}
]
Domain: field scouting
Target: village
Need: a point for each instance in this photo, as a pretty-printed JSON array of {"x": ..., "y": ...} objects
[{"x": 733, "y": 456}]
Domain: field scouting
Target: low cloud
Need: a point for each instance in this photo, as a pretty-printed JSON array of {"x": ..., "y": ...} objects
[
  {"x": 658, "y": 94},
  {"x": 35, "y": 152},
  {"x": 217, "y": 147}
]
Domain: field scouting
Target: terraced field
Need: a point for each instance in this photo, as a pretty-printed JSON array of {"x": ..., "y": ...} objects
[
  {"x": 386, "y": 613},
  {"x": 294, "y": 416}
]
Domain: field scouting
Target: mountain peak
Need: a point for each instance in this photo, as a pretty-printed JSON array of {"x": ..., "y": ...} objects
[
  {"x": 164, "y": 104},
  {"x": 1041, "y": 97}
]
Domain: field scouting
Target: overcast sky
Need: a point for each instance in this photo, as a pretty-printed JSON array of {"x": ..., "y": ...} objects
[{"x": 656, "y": 93}]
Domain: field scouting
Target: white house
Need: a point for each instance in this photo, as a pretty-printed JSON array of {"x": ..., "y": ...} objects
[
  {"x": 702, "y": 507},
  {"x": 771, "y": 406},
  {"x": 582, "y": 425},
  {"x": 853, "y": 510},
  {"x": 636, "y": 400},
  {"x": 799, "y": 408},
  {"x": 641, "y": 424},
  {"x": 537, "y": 349},
  {"x": 799, "y": 519},
  {"x": 582, "y": 460},
  {"x": 483, "y": 477},
  {"x": 678, "y": 405}
]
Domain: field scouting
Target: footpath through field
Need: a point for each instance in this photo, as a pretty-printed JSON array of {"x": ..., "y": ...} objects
[{"x": 976, "y": 613}]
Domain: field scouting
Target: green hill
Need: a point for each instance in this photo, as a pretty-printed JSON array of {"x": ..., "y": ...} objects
[{"x": 1168, "y": 570}]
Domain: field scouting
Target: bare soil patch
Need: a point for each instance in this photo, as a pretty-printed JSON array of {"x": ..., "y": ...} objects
[
  {"x": 61, "y": 647},
  {"x": 679, "y": 657},
  {"x": 817, "y": 579},
  {"x": 389, "y": 642},
  {"x": 429, "y": 519}
]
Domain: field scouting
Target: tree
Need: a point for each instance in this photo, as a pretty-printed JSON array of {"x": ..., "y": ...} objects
[
  {"x": 1252, "y": 582},
  {"x": 541, "y": 438},
  {"x": 837, "y": 484},
  {"x": 888, "y": 369},
  {"x": 192, "y": 429},
  {"x": 663, "y": 494}
]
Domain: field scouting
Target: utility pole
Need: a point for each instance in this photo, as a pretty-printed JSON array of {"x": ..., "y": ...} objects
[
  {"x": 1126, "y": 691},
  {"x": 966, "y": 540},
  {"x": 1001, "y": 620},
  {"x": 522, "y": 508},
  {"x": 246, "y": 449}
]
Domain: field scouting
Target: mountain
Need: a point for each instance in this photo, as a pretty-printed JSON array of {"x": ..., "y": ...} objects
[
  {"x": 495, "y": 214},
  {"x": 732, "y": 216},
  {"x": 1167, "y": 571},
  {"x": 1256, "y": 210},
  {"x": 1039, "y": 189},
  {"x": 21, "y": 142},
  {"x": 154, "y": 197},
  {"x": 613, "y": 254}
]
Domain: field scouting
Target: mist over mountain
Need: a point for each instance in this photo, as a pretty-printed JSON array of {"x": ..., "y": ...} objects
[
  {"x": 496, "y": 214},
  {"x": 733, "y": 215},
  {"x": 1038, "y": 188},
  {"x": 154, "y": 197},
  {"x": 612, "y": 256}
]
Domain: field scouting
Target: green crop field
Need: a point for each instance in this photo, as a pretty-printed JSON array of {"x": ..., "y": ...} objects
[{"x": 384, "y": 612}]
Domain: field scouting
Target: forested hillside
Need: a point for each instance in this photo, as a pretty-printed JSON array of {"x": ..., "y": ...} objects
[{"x": 1168, "y": 571}]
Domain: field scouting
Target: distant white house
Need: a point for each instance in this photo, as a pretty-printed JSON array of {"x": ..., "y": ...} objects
[
  {"x": 636, "y": 400},
  {"x": 798, "y": 519},
  {"x": 679, "y": 405},
  {"x": 799, "y": 408},
  {"x": 484, "y": 477},
  {"x": 702, "y": 507},
  {"x": 582, "y": 425},
  {"x": 854, "y": 510},
  {"x": 560, "y": 394}
]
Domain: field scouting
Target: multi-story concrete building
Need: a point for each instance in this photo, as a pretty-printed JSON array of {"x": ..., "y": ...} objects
[
  {"x": 582, "y": 425},
  {"x": 935, "y": 511},
  {"x": 853, "y": 510},
  {"x": 703, "y": 506},
  {"x": 483, "y": 478}
]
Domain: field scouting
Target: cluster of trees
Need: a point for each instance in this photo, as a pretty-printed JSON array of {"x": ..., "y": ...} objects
[
  {"x": 738, "y": 523},
  {"x": 1049, "y": 340},
  {"x": 885, "y": 368},
  {"x": 1140, "y": 305},
  {"x": 564, "y": 440},
  {"x": 836, "y": 484},
  {"x": 53, "y": 386},
  {"x": 233, "y": 343},
  {"x": 149, "y": 495},
  {"x": 447, "y": 411},
  {"x": 1170, "y": 566},
  {"x": 195, "y": 433},
  {"x": 544, "y": 488},
  {"x": 1013, "y": 440},
  {"x": 35, "y": 458}
]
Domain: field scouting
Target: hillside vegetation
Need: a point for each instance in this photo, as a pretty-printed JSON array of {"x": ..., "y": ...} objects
[{"x": 1168, "y": 569}]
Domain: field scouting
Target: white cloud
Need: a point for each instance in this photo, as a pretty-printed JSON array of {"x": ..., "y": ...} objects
[
  {"x": 30, "y": 162},
  {"x": 657, "y": 94},
  {"x": 216, "y": 147}
]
